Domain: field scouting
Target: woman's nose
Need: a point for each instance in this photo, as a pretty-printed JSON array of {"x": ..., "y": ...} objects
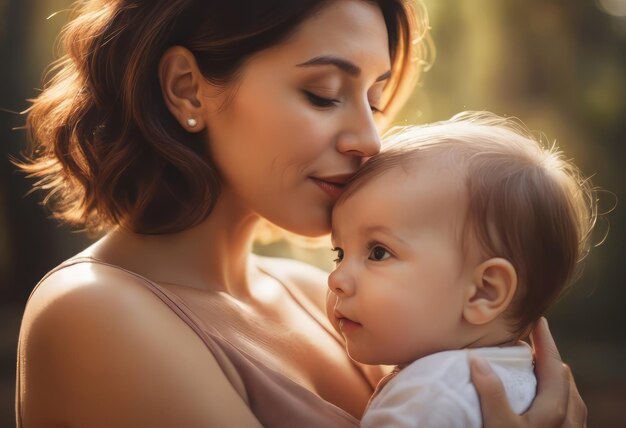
[
  {"x": 341, "y": 283},
  {"x": 360, "y": 136}
]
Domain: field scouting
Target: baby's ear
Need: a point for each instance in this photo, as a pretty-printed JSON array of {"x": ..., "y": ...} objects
[{"x": 493, "y": 286}]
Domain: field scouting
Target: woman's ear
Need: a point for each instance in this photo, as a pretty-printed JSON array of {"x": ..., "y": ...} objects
[
  {"x": 494, "y": 283},
  {"x": 181, "y": 82}
]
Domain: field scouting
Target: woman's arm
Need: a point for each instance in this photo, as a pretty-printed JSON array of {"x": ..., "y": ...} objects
[
  {"x": 558, "y": 403},
  {"x": 102, "y": 351}
]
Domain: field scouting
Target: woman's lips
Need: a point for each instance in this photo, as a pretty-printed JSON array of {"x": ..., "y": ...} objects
[{"x": 331, "y": 189}]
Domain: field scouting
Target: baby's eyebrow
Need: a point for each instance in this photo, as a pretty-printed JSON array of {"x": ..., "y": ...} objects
[{"x": 385, "y": 230}]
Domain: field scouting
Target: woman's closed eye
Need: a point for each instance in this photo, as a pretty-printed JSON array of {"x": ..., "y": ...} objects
[
  {"x": 319, "y": 101},
  {"x": 324, "y": 102}
]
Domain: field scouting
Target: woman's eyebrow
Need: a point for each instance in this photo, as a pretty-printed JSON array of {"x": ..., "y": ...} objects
[{"x": 341, "y": 63}]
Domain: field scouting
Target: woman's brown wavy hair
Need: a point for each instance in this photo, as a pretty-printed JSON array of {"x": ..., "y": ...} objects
[{"x": 104, "y": 147}]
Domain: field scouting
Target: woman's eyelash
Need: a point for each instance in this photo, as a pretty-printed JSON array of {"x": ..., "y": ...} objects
[
  {"x": 323, "y": 102},
  {"x": 318, "y": 101}
]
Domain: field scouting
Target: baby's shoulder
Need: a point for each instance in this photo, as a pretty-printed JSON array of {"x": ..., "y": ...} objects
[
  {"x": 444, "y": 368},
  {"x": 432, "y": 391}
]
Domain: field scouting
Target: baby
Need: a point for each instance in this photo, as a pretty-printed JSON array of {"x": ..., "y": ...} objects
[{"x": 455, "y": 239}]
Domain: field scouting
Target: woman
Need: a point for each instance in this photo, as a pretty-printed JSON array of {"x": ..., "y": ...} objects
[{"x": 175, "y": 126}]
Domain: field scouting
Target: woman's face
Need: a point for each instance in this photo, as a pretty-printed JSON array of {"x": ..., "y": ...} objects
[{"x": 302, "y": 116}]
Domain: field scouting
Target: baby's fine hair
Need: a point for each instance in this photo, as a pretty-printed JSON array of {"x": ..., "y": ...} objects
[{"x": 526, "y": 202}]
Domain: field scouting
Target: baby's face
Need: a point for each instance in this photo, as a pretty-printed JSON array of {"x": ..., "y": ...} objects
[{"x": 397, "y": 288}]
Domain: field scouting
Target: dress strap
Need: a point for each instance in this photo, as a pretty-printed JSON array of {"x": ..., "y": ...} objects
[
  {"x": 177, "y": 305},
  {"x": 67, "y": 263}
]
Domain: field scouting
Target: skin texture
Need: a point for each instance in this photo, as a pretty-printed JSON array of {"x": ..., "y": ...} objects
[
  {"x": 404, "y": 286},
  {"x": 97, "y": 347}
]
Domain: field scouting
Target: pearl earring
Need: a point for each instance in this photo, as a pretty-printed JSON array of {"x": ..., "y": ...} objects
[{"x": 192, "y": 122}]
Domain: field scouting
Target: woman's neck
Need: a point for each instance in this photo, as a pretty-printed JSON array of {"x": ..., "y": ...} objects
[{"x": 211, "y": 256}]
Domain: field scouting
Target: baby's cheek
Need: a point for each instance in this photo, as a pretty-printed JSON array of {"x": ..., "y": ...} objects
[{"x": 331, "y": 302}]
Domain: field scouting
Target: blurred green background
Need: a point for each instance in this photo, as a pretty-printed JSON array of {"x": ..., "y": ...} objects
[{"x": 559, "y": 65}]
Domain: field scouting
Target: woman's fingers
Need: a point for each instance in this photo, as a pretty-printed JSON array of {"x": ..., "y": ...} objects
[
  {"x": 576, "y": 409},
  {"x": 557, "y": 404},
  {"x": 546, "y": 352},
  {"x": 494, "y": 404},
  {"x": 550, "y": 407}
]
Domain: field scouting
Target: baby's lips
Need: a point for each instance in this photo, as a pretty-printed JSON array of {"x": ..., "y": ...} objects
[{"x": 339, "y": 316}]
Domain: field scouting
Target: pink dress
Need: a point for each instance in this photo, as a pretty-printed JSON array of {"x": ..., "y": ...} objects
[{"x": 275, "y": 399}]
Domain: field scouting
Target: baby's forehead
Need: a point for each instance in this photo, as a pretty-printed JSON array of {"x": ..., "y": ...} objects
[
  {"x": 429, "y": 171},
  {"x": 426, "y": 189},
  {"x": 421, "y": 186}
]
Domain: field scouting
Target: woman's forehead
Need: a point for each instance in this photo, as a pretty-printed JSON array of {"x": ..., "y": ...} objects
[{"x": 350, "y": 29}]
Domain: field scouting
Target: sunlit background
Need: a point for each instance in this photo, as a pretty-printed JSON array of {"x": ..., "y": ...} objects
[{"x": 559, "y": 65}]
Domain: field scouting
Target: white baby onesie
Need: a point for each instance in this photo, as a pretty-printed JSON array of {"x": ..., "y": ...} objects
[{"x": 436, "y": 390}]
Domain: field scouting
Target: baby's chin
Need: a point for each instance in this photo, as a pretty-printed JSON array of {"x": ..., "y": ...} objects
[
  {"x": 379, "y": 356},
  {"x": 369, "y": 357}
]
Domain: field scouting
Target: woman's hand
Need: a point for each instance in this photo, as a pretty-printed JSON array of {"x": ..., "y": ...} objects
[{"x": 558, "y": 403}]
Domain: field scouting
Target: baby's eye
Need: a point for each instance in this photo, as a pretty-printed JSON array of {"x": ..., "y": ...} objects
[
  {"x": 339, "y": 254},
  {"x": 379, "y": 253}
]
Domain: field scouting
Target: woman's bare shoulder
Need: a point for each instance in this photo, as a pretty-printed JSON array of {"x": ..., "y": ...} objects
[
  {"x": 97, "y": 348},
  {"x": 74, "y": 283},
  {"x": 309, "y": 279}
]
